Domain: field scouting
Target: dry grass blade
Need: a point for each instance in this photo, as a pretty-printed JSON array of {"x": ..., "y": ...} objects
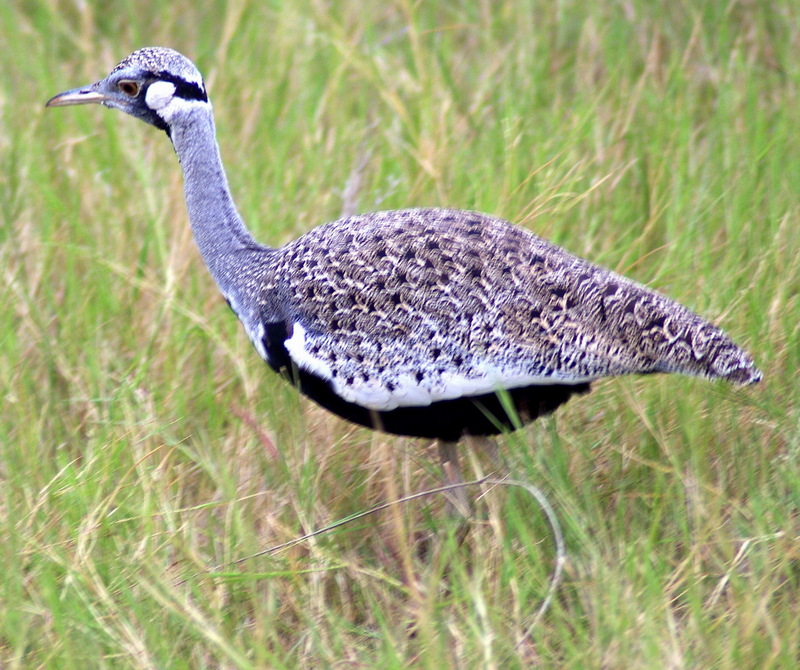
[{"x": 536, "y": 493}]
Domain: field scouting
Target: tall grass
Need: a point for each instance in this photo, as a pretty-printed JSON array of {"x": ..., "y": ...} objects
[{"x": 146, "y": 450}]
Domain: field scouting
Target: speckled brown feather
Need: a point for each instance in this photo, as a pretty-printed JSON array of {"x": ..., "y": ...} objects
[{"x": 427, "y": 293}]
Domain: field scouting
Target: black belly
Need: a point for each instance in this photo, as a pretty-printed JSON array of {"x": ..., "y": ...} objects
[{"x": 486, "y": 414}]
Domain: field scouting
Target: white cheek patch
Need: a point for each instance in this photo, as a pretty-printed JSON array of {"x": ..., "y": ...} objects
[{"x": 159, "y": 95}]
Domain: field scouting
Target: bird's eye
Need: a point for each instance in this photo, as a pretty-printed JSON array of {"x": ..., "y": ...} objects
[{"x": 129, "y": 88}]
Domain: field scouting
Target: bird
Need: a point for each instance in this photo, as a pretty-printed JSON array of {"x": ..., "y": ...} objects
[{"x": 429, "y": 323}]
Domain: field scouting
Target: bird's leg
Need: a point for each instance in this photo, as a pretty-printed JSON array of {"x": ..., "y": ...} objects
[
  {"x": 457, "y": 498},
  {"x": 485, "y": 445}
]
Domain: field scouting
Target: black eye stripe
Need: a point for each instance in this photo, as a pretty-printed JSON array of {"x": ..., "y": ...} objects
[{"x": 187, "y": 90}]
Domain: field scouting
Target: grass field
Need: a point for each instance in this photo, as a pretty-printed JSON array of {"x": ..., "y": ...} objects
[{"x": 149, "y": 458}]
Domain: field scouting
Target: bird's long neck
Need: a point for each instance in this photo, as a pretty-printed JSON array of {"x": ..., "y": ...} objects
[{"x": 218, "y": 229}]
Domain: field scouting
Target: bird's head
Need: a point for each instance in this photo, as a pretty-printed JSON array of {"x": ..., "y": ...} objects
[{"x": 153, "y": 84}]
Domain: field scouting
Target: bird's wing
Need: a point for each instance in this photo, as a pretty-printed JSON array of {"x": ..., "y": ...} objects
[{"x": 410, "y": 307}]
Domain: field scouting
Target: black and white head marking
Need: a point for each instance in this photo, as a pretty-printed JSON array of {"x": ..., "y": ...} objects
[
  {"x": 171, "y": 82},
  {"x": 164, "y": 64}
]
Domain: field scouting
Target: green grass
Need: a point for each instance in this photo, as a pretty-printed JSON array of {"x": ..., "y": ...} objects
[{"x": 145, "y": 449}]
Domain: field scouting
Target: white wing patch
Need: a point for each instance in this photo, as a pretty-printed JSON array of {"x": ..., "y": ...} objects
[
  {"x": 406, "y": 389},
  {"x": 296, "y": 346},
  {"x": 408, "y": 392}
]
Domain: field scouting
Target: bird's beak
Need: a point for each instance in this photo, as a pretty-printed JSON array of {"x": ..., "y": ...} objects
[{"x": 77, "y": 96}]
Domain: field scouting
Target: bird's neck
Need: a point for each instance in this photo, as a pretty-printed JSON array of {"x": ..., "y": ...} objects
[{"x": 218, "y": 229}]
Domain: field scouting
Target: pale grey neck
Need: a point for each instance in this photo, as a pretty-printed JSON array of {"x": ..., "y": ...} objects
[{"x": 218, "y": 229}]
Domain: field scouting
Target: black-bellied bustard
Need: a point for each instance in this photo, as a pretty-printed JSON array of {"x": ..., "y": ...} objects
[{"x": 432, "y": 323}]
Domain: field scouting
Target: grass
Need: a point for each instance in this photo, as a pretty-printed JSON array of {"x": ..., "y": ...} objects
[{"x": 146, "y": 451}]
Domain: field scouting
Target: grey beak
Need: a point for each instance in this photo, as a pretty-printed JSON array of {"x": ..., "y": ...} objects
[{"x": 77, "y": 96}]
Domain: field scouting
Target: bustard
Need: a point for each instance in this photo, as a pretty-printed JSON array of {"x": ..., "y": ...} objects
[{"x": 432, "y": 323}]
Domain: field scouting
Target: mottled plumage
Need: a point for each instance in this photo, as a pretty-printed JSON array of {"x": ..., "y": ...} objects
[{"x": 426, "y": 322}]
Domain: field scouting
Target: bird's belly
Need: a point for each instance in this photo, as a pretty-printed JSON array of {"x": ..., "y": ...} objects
[{"x": 485, "y": 414}]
